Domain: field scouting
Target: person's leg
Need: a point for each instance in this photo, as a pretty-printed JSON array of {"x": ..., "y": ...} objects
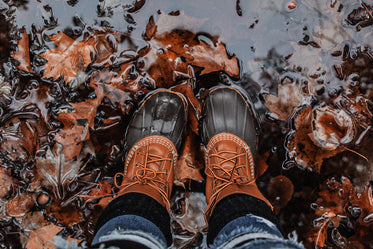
[
  {"x": 243, "y": 221},
  {"x": 238, "y": 214},
  {"x": 139, "y": 216}
]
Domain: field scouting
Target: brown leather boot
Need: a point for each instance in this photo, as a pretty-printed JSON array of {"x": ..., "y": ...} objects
[
  {"x": 154, "y": 136},
  {"x": 228, "y": 130}
]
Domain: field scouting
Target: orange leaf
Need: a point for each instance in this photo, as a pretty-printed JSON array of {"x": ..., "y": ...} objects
[
  {"x": 190, "y": 161},
  {"x": 68, "y": 59},
  {"x": 214, "y": 59},
  {"x": 76, "y": 127},
  {"x": 43, "y": 237},
  {"x": 23, "y": 53},
  {"x": 174, "y": 51},
  {"x": 6, "y": 182}
]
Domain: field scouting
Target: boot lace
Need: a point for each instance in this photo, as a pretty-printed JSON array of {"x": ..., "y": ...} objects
[
  {"x": 148, "y": 176},
  {"x": 227, "y": 176}
]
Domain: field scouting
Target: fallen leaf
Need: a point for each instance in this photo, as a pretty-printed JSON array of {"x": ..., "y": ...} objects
[
  {"x": 43, "y": 237},
  {"x": 19, "y": 204},
  {"x": 23, "y": 53},
  {"x": 280, "y": 189},
  {"x": 70, "y": 58},
  {"x": 290, "y": 96},
  {"x": 103, "y": 192},
  {"x": 6, "y": 182},
  {"x": 300, "y": 146},
  {"x": 67, "y": 215},
  {"x": 331, "y": 128},
  {"x": 53, "y": 170},
  {"x": 261, "y": 165},
  {"x": 76, "y": 127},
  {"x": 175, "y": 51},
  {"x": 151, "y": 29},
  {"x": 190, "y": 161},
  {"x": 194, "y": 106},
  {"x": 213, "y": 59}
]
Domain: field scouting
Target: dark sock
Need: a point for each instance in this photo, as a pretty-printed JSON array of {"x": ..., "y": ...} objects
[
  {"x": 235, "y": 206},
  {"x": 141, "y": 205}
]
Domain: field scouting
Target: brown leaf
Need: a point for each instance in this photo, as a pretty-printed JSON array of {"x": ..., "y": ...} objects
[
  {"x": 103, "y": 192},
  {"x": 6, "y": 182},
  {"x": 190, "y": 161},
  {"x": 66, "y": 215},
  {"x": 53, "y": 170},
  {"x": 280, "y": 189},
  {"x": 214, "y": 59},
  {"x": 20, "y": 204},
  {"x": 23, "y": 53},
  {"x": 174, "y": 51},
  {"x": 76, "y": 127},
  {"x": 43, "y": 237},
  {"x": 69, "y": 59},
  {"x": 302, "y": 149},
  {"x": 151, "y": 29},
  {"x": 119, "y": 87},
  {"x": 331, "y": 128},
  {"x": 261, "y": 165},
  {"x": 194, "y": 106},
  {"x": 290, "y": 96}
]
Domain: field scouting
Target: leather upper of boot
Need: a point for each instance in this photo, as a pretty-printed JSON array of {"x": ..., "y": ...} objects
[{"x": 149, "y": 169}]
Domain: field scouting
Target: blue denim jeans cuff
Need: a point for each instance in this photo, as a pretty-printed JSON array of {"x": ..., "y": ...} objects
[
  {"x": 252, "y": 231},
  {"x": 130, "y": 227}
]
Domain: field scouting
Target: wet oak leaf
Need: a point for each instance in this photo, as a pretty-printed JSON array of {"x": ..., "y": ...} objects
[
  {"x": 54, "y": 171},
  {"x": 122, "y": 86},
  {"x": 174, "y": 51},
  {"x": 214, "y": 59},
  {"x": 339, "y": 201},
  {"x": 68, "y": 59},
  {"x": 331, "y": 128},
  {"x": 67, "y": 215},
  {"x": 23, "y": 53},
  {"x": 43, "y": 237},
  {"x": 290, "y": 96},
  {"x": 301, "y": 147},
  {"x": 76, "y": 127}
]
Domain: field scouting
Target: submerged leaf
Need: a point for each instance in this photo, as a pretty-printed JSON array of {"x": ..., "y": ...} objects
[
  {"x": 43, "y": 237},
  {"x": 290, "y": 96},
  {"x": 301, "y": 147},
  {"x": 23, "y": 53}
]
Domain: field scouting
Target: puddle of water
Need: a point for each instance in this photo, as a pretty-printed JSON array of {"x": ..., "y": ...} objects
[{"x": 323, "y": 47}]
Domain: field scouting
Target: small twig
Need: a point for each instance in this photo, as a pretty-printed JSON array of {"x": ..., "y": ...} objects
[
  {"x": 357, "y": 153},
  {"x": 367, "y": 9}
]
